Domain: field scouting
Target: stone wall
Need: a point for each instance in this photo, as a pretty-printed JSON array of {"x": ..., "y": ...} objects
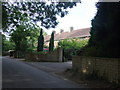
[
  {"x": 107, "y": 68},
  {"x": 54, "y": 56}
]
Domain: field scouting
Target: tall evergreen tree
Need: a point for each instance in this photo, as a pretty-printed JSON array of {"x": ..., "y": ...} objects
[
  {"x": 105, "y": 30},
  {"x": 51, "y": 44},
  {"x": 40, "y": 41}
]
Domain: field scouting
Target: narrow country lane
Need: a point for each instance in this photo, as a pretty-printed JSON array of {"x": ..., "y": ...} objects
[{"x": 16, "y": 74}]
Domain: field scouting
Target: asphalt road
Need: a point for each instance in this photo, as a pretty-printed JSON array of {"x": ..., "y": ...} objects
[
  {"x": 51, "y": 67},
  {"x": 16, "y": 74}
]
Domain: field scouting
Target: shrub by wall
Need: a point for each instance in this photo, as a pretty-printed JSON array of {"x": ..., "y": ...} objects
[
  {"x": 54, "y": 56},
  {"x": 72, "y": 46}
]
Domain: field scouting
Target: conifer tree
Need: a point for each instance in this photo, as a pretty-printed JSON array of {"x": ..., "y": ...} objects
[
  {"x": 105, "y": 31},
  {"x": 51, "y": 44},
  {"x": 40, "y": 41}
]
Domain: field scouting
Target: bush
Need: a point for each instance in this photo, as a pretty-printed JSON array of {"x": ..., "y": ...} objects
[
  {"x": 7, "y": 45},
  {"x": 31, "y": 49},
  {"x": 95, "y": 51},
  {"x": 72, "y": 46},
  {"x": 90, "y": 51}
]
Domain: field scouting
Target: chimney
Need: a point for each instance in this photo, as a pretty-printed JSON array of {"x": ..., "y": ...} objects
[
  {"x": 71, "y": 29},
  {"x": 54, "y": 31},
  {"x": 61, "y": 30}
]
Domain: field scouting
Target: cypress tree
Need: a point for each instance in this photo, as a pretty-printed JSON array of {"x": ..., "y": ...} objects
[
  {"x": 40, "y": 41},
  {"x": 51, "y": 44},
  {"x": 105, "y": 31}
]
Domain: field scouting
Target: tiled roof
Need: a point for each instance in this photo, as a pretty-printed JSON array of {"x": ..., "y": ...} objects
[
  {"x": 60, "y": 36},
  {"x": 79, "y": 33},
  {"x": 73, "y": 34}
]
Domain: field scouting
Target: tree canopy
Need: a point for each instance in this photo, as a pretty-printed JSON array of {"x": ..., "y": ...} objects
[
  {"x": 46, "y": 14},
  {"x": 105, "y": 30},
  {"x": 25, "y": 35},
  {"x": 6, "y": 44}
]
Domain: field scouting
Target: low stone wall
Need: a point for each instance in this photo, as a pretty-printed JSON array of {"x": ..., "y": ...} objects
[
  {"x": 5, "y": 53},
  {"x": 51, "y": 56},
  {"x": 55, "y": 56},
  {"x": 107, "y": 68}
]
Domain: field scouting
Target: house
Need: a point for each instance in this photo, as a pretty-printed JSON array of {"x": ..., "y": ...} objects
[{"x": 80, "y": 33}]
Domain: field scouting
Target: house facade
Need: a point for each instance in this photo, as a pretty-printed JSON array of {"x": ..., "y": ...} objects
[{"x": 81, "y": 34}]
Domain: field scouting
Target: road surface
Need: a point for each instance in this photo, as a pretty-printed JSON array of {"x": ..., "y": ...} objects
[
  {"x": 51, "y": 67},
  {"x": 16, "y": 74}
]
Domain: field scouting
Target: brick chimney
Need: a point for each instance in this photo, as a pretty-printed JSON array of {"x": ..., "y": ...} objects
[
  {"x": 71, "y": 29},
  {"x": 54, "y": 31},
  {"x": 61, "y": 30}
]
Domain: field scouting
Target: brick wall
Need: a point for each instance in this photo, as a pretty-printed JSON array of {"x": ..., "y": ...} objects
[
  {"x": 107, "y": 68},
  {"x": 54, "y": 56}
]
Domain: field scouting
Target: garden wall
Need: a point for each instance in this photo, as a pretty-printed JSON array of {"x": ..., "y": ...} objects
[
  {"x": 105, "y": 68},
  {"x": 54, "y": 56}
]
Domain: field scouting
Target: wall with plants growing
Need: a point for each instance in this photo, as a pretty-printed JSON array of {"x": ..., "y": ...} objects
[{"x": 71, "y": 46}]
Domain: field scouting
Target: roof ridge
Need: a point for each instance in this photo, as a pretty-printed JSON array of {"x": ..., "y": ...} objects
[{"x": 75, "y": 33}]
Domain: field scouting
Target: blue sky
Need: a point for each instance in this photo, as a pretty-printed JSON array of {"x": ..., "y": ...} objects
[{"x": 78, "y": 17}]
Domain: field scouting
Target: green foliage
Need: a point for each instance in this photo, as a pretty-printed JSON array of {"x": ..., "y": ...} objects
[
  {"x": 51, "y": 44},
  {"x": 19, "y": 38},
  {"x": 93, "y": 51},
  {"x": 6, "y": 44},
  {"x": 40, "y": 41},
  {"x": 25, "y": 36},
  {"x": 39, "y": 52},
  {"x": 105, "y": 39},
  {"x": 71, "y": 46},
  {"x": 45, "y": 13},
  {"x": 31, "y": 49}
]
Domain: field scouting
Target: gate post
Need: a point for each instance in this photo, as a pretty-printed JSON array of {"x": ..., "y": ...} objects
[{"x": 60, "y": 50}]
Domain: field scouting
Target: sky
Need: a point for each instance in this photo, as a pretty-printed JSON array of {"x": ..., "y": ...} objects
[{"x": 79, "y": 17}]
